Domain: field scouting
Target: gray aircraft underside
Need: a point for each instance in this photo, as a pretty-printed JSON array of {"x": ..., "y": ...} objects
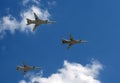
[
  {"x": 38, "y": 21},
  {"x": 25, "y": 68},
  {"x": 72, "y": 41}
]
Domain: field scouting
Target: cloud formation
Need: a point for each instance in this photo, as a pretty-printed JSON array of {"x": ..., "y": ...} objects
[
  {"x": 71, "y": 73},
  {"x": 25, "y": 2},
  {"x": 51, "y": 3},
  {"x": 11, "y": 23}
]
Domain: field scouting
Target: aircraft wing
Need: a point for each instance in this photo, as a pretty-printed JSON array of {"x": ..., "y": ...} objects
[
  {"x": 24, "y": 72},
  {"x": 71, "y": 38},
  {"x": 36, "y": 25},
  {"x": 69, "y": 46},
  {"x": 24, "y": 64},
  {"x": 36, "y": 17}
]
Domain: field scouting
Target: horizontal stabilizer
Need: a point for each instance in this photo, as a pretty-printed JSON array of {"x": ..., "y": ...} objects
[
  {"x": 29, "y": 21},
  {"x": 18, "y": 68},
  {"x": 64, "y": 41}
]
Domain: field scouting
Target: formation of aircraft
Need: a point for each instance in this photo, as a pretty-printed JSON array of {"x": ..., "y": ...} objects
[
  {"x": 25, "y": 68},
  {"x": 38, "y": 21},
  {"x": 72, "y": 41}
]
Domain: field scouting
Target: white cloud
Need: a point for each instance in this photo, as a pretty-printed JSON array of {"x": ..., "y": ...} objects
[
  {"x": 10, "y": 23},
  {"x": 22, "y": 81},
  {"x": 72, "y": 73},
  {"x": 24, "y": 2},
  {"x": 36, "y": 1},
  {"x": 52, "y": 3}
]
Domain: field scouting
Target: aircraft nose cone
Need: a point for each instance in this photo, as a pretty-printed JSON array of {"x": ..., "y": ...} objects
[
  {"x": 84, "y": 41},
  {"x": 38, "y": 68},
  {"x": 51, "y": 21}
]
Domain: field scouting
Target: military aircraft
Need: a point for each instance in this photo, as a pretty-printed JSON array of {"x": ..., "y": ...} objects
[
  {"x": 72, "y": 41},
  {"x": 38, "y": 21},
  {"x": 26, "y": 68}
]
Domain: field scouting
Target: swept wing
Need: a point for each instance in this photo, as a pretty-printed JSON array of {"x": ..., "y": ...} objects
[
  {"x": 35, "y": 26},
  {"x": 36, "y": 17},
  {"x": 69, "y": 46},
  {"x": 24, "y": 72},
  {"x": 71, "y": 38}
]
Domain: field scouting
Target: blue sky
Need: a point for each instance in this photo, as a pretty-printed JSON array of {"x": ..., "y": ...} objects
[{"x": 92, "y": 20}]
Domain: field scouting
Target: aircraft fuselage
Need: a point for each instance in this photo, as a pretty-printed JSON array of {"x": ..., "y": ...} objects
[
  {"x": 71, "y": 42},
  {"x": 25, "y": 68},
  {"x": 37, "y": 22}
]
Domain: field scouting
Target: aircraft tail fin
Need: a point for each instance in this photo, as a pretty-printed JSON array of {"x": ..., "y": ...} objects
[
  {"x": 29, "y": 21},
  {"x": 64, "y": 41},
  {"x": 18, "y": 68}
]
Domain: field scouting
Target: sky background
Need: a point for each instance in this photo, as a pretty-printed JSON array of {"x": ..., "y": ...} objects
[{"x": 97, "y": 21}]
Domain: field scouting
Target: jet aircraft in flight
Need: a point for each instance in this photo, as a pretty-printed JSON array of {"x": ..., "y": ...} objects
[
  {"x": 72, "y": 41},
  {"x": 38, "y": 21},
  {"x": 26, "y": 68}
]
